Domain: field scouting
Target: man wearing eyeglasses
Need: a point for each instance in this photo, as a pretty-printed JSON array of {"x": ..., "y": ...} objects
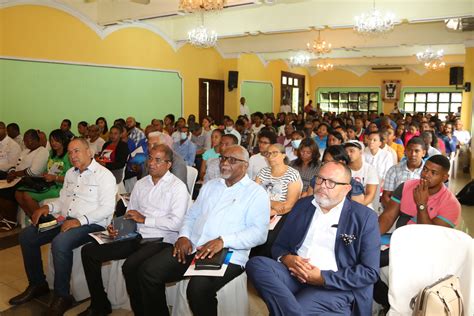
[
  {"x": 230, "y": 212},
  {"x": 326, "y": 257},
  {"x": 157, "y": 204}
]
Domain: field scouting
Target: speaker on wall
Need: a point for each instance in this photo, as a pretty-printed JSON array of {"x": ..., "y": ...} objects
[
  {"x": 233, "y": 80},
  {"x": 456, "y": 76}
]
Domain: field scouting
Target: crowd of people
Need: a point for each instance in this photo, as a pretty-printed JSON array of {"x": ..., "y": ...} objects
[{"x": 305, "y": 196}]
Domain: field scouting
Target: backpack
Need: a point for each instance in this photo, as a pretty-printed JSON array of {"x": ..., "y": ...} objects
[{"x": 466, "y": 195}]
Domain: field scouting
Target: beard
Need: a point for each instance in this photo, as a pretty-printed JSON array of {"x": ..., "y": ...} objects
[{"x": 324, "y": 201}]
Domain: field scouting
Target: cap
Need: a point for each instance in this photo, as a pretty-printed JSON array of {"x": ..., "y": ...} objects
[{"x": 354, "y": 143}]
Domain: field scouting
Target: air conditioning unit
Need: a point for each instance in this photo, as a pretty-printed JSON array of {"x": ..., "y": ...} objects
[{"x": 387, "y": 69}]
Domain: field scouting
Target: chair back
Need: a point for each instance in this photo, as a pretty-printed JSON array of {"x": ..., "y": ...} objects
[
  {"x": 192, "y": 174},
  {"x": 420, "y": 255}
]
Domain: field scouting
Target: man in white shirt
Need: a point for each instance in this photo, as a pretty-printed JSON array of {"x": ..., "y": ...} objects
[
  {"x": 9, "y": 151},
  {"x": 157, "y": 204},
  {"x": 244, "y": 109},
  {"x": 285, "y": 107},
  {"x": 362, "y": 171},
  {"x": 87, "y": 202},
  {"x": 95, "y": 141},
  {"x": 326, "y": 257},
  {"x": 31, "y": 163},
  {"x": 13, "y": 131},
  {"x": 230, "y": 129},
  {"x": 230, "y": 212},
  {"x": 464, "y": 138}
]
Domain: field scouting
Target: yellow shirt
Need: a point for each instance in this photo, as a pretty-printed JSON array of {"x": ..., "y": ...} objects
[{"x": 399, "y": 149}]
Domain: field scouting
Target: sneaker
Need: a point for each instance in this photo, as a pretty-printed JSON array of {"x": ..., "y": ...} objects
[{"x": 6, "y": 225}]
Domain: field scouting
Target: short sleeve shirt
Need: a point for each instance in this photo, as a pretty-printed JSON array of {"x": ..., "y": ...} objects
[
  {"x": 277, "y": 187},
  {"x": 442, "y": 204}
]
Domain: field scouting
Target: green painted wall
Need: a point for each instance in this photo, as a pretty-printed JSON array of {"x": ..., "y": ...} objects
[
  {"x": 258, "y": 95},
  {"x": 40, "y": 95}
]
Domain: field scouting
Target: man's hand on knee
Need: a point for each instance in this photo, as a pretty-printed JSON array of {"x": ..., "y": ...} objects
[
  {"x": 70, "y": 223},
  {"x": 42, "y": 211}
]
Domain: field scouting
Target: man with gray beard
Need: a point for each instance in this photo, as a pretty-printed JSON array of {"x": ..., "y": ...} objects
[{"x": 326, "y": 256}]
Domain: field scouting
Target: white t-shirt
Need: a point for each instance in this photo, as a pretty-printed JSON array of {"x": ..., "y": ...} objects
[
  {"x": 9, "y": 153},
  {"x": 256, "y": 129},
  {"x": 367, "y": 174},
  {"x": 392, "y": 152},
  {"x": 33, "y": 162},
  {"x": 462, "y": 136},
  {"x": 382, "y": 161},
  {"x": 96, "y": 147},
  {"x": 244, "y": 110},
  {"x": 256, "y": 163}
]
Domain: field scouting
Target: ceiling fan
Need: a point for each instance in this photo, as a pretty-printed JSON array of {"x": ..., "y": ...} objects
[{"x": 136, "y": 1}]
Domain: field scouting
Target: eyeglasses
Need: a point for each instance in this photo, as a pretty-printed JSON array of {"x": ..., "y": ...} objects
[
  {"x": 330, "y": 184},
  {"x": 231, "y": 160},
  {"x": 269, "y": 154},
  {"x": 158, "y": 160}
]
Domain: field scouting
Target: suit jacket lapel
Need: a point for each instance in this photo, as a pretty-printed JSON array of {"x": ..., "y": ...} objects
[
  {"x": 342, "y": 228},
  {"x": 306, "y": 222}
]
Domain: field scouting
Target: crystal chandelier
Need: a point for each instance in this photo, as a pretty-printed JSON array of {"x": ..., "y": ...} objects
[
  {"x": 432, "y": 60},
  {"x": 201, "y": 5},
  {"x": 319, "y": 46},
  {"x": 202, "y": 37},
  {"x": 374, "y": 22},
  {"x": 324, "y": 66},
  {"x": 300, "y": 59}
]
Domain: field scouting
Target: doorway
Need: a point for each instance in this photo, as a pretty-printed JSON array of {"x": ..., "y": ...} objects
[
  {"x": 211, "y": 99},
  {"x": 292, "y": 91}
]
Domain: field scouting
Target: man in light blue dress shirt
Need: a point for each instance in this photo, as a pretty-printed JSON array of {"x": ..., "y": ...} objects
[
  {"x": 230, "y": 212},
  {"x": 185, "y": 147}
]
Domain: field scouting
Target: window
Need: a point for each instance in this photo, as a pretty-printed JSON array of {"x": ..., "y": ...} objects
[
  {"x": 432, "y": 102},
  {"x": 340, "y": 102}
]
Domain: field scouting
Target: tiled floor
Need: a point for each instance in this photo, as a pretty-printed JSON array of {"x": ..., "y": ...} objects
[{"x": 13, "y": 279}]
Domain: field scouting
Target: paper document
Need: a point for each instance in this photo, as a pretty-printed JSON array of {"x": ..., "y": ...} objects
[
  {"x": 217, "y": 273},
  {"x": 274, "y": 221},
  {"x": 4, "y": 184}
]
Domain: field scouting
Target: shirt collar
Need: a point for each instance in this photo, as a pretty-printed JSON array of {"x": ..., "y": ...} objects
[
  {"x": 335, "y": 212},
  {"x": 166, "y": 178},
  {"x": 242, "y": 182},
  {"x": 93, "y": 166}
]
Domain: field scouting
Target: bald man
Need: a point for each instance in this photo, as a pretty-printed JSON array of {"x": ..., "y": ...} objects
[
  {"x": 230, "y": 212},
  {"x": 326, "y": 256}
]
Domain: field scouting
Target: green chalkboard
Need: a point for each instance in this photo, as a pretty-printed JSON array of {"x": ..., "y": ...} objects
[
  {"x": 258, "y": 96},
  {"x": 41, "y": 94}
]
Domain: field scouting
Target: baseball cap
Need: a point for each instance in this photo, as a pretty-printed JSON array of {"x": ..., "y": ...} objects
[{"x": 354, "y": 143}]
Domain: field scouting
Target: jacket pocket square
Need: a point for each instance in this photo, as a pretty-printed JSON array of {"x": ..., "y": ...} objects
[{"x": 348, "y": 239}]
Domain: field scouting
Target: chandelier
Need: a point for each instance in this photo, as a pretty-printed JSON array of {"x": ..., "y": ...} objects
[
  {"x": 202, "y": 37},
  {"x": 324, "y": 66},
  {"x": 374, "y": 22},
  {"x": 300, "y": 59},
  {"x": 201, "y": 5},
  {"x": 432, "y": 60},
  {"x": 319, "y": 46}
]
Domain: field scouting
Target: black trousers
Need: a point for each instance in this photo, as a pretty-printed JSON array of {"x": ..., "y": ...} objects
[
  {"x": 93, "y": 255},
  {"x": 163, "y": 268}
]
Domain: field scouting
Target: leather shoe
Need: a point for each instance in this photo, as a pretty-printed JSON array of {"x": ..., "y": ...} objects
[
  {"x": 31, "y": 292},
  {"x": 92, "y": 312},
  {"x": 59, "y": 305}
]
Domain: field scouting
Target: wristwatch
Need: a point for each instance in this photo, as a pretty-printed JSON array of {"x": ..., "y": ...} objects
[{"x": 422, "y": 207}]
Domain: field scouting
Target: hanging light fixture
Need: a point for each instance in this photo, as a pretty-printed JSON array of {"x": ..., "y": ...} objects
[
  {"x": 202, "y": 37},
  {"x": 319, "y": 46},
  {"x": 300, "y": 59},
  {"x": 324, "y": 66},
  {"x": 201, "y": 5},
  {"x": 432, "y": 60},
  {"x": 374, "y": 22}
]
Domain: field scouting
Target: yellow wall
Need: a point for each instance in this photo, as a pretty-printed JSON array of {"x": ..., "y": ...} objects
[
  {"x": 39, "y": 32},
  {"x": 408, "y": 78}
]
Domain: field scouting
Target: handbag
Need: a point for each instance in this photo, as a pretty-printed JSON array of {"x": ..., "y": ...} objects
[
  {"x": 439, "y": 299},
  {"x": 34, "y": 184}
]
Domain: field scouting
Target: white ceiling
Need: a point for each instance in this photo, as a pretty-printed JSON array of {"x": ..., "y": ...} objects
[{"x": 279, "y": 30}]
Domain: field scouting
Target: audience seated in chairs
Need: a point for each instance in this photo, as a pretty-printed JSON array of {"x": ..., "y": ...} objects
[
  {"x": 212, "y": 153},
  {"x": 308, "y": 161},
  {"x": 158, "y": 204},
  {"x": 58, "y": 164},
  {"x": 95, "y": 141},
  {"x": 66, "y": 128},
  {"x": 114, "y": 153},
  {"x": 13, "y": 131},
  {"x": 87, "y": 202},
  {"x": 134, "y": 133},
  {"x": 283, "y": 185},
  {"x": 231, "y": 212},
  {"x": 104, "y": 128},
  {"x": 326, "y": 257},
  {"x": 258, "y": 161},
  {"x": 424, "y": 201},
  {"x": 31, "y": 163},
  {"x": 83, "y": 129}
]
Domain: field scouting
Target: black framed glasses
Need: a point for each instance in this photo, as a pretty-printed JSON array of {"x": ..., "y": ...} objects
[
  {"x": 330, "y": 184},
  {"x": 231, "y": 160}
]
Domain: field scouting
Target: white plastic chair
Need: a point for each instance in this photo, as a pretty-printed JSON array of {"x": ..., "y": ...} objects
[
  {"x": 192, "y": 174},
  {"x": 422, "y": 254},
  {"x": 233, "y": 298}
]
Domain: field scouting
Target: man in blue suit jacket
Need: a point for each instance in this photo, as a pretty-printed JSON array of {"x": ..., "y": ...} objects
[{"x": 326, "y": 255}]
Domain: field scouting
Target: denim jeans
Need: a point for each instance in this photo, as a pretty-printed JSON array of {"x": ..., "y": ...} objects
[{"x": 62, "y": 245}]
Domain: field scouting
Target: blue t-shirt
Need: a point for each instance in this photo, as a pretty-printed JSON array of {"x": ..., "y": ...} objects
[{"x": 210, "y": 154}]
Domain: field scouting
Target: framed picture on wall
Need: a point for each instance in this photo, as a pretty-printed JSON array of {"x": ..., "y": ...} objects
[{"x": 391, "y": 90}]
